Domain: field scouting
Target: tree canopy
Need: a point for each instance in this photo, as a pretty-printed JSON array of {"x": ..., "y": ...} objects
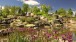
[
  {"x": 35, "y": 10},
  {"x": 70, "y": 13},
  {"x": 5, "y": 11},
  {"x": 25, "y": 8},
  {"x": 61, "y": 12},
  {"x": 45, "y": 8}
]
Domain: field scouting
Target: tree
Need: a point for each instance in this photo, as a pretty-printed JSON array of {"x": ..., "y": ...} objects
[
  {"x": 18, "y": 10},
  {"x": 45, "y": 8},
  {"x": 12, "y": 10},
  {"x": 35, "y": 10},
  {"x": 25, "y": 8},
  {"x": 56, "y": 12},
  {"x": 61, "y": 12},
  {"x": 5, "y": 11},
  {"x": 70, "y": 13}
]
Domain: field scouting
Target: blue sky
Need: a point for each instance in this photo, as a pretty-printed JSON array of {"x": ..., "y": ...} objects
[
  {"x": 56, "y": 4},
  {"x": 10, "y": 2}
]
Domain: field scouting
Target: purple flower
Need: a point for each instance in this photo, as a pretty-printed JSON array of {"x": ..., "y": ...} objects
[{"x": 48, "y": 35}]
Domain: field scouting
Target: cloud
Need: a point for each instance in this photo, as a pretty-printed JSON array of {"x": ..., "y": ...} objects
[{"x": 30, "y": 2}]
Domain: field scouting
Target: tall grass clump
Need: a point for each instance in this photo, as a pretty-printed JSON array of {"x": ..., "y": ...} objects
[{"x": 17, "y": 37}]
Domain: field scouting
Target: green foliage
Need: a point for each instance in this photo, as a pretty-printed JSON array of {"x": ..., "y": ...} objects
[
  {"x": 15, "y": 10},
  {"x": 12, "y": 10},
  {"x": 55, "y": 40},
  {"x": 0, "y": 12},
  {"x": 25, "y": 8},
  {"x": 1, "y": 17},
  {"x": 17, "y": 37},
  {"x": 18, "y": 10},
  {"x": 61, "y": 12},
  {"x": 38, "y": 40},
  {"x": 45, "y": 8},
  {"x": 70, "y": 13},
  {"x": 30, "y": 19},
  {"x": 44, "y": 11},
  {"x": 74, "y": 18},
  {"x": 35, "y": 10},
  {"x": 5, "y": 11}
]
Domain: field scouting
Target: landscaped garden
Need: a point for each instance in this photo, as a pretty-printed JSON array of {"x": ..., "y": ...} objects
[{"x": 33, "y": 24}]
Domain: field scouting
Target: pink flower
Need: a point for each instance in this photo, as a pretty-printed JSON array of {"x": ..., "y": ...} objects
[
  {"x": 34, "y": 36},
  {"x": 55, "y": 37},
  {"x": 48, "y": 35},
  {"x": 21, "y": 29}
]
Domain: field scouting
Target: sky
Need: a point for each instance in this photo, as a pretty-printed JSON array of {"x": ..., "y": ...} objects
[{"x": 55, "y": 4}]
